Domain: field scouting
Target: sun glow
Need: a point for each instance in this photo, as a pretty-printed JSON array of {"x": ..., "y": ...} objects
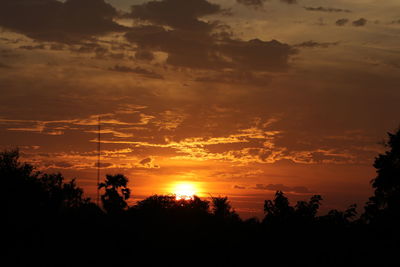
[{"x": 184, "y": 191}]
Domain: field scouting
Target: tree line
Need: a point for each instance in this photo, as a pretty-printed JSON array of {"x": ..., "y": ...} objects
[{"x": 50, "y": 221}]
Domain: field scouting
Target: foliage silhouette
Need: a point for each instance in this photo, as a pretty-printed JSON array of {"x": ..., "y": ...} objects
[
  {"x": 116, "y": 193},
  {"x": 278, "y": 210},
  {"x": 223, "y": 210},
  {"x": 342, "y": 218},
  {"x": 384, "y": 205}
]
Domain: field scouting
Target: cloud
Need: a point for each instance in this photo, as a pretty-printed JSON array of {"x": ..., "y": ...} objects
[
  {"x": 6, "y": 53},
  {"x": 341, "y": 22},
  {"x": 199, "y": 44},
  {"x": 103, "y": 165},
  {"x": 59, "y": 164},
  {"x": 236, "y": 77},
  {"x": 148, "y": 163},
  {"x": 203, "y": 51},
  {"x": 257, "y": 54},
  {"x": 144, "y": 55},
  {"x": 137, "y": 70},
  {"x": 239, "y": 187},
  {"x": 180, "y": 14},
  {"x": 252, "y": 3},
  {"x": 112, "y": 132},
  {"x": 37, "y": 127},
  {"x": 4, "y": 66},
  {"x": 327, "y": 9},
  {"x": 359, "y": 22},
  {"x": 32, "y": 47},
  {"x": 170, "y": 120},
  {"x": 289, "y": 1},
  {"x": 313, "y": 44},
  {"x": 283, "y": 188},
  {"x": 50, "y": 20}
]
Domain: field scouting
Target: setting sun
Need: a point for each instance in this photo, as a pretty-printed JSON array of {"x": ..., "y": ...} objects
[{"x": 184, "y": 191}]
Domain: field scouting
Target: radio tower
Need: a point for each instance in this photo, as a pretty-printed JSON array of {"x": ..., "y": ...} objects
[{"x": 98, "y": 163}]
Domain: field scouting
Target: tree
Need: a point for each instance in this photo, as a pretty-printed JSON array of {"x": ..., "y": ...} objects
[
  {"x": 278, "y": 210},
  {"x": 306, "y": 211},
  {"x": 340, "y": 218},
  {"x": 116, "y": 193},
  {"x": 222, "y": 209},
  {"x": 62, "y": 195},
  {"x": 11, "y": 167},
  {"x": 32, "y": 196},
  {"x": 156, "y": 203},
  {"x": 385, "y": 203}
]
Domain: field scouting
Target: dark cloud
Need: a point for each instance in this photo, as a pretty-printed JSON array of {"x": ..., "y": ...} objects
[
  {"x": 184, "y": 48},
  {"x": 7, "y": 53},
  {"x": 4, "y": 66},
  {"x": 56, "y": 47},
  {"x": 144, "y": 55},
  {"x": 10, "y": 41},
  {"x": 359, "y": 22},
  {"x": 204, "y": 51},
  {"x": 313, "y": 44},
  {"x": 235, "y": 77},
  {"x": 321, "y": 157},
  {"x": 238, "y": 187},
  {"x": 58, "y": 164},
  {"x": 283, "y": 188},
  {"x": 193, "y": 43},
  {"x": 326, "y": 9},
  {"x": 33, "y": 47},
  {"x": 341, "y": 22},
  {"x": 99, "y": 51},
  {"x": 289, "y": 1},
  {"x": 50, "y": 20},
  {"x": 102, "y": 165},
  {"x": 148, "y": 163},
  {"x": 180, "y": 14},
  {"x": 137, "y": 70},
  {"x": 252, "y": 3},
  {"x": 257, "y": 54}
]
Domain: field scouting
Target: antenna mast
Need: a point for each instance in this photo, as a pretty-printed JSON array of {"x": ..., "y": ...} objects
[{"x": 98, "y": 163}]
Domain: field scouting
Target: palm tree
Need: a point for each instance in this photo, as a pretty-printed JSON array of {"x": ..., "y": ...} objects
[{"x": 116, "y": 193}]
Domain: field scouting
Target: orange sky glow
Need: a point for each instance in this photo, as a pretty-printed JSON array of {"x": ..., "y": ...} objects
[{"x": 216, "y": 98}]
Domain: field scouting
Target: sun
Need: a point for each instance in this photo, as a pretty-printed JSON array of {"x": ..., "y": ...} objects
[{"x": 184, "y": 191}]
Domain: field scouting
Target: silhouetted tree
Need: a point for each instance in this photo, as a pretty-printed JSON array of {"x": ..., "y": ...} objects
[
  {"x": 62, "y": 195},
  {"x": 196, "y": 204},
  {"x": 12, "y": 169},
  {"x": 222, "y": 209},
  {"x": 278, "y": 210},
  {"x": 340, "y": 218},
  {"x": 156, "y": 202},
  {"x": 307, "y": 211},
  {"x": 29, "y": 192},
  {"x": 385, "y": 203},
  {"x": 116, "y": 193}
]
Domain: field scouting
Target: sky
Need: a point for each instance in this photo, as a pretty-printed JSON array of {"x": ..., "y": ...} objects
[{"x": 238, "y": 98}]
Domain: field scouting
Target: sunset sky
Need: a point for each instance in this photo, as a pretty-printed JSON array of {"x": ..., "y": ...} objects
[{"x": 235, "y": 97}]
